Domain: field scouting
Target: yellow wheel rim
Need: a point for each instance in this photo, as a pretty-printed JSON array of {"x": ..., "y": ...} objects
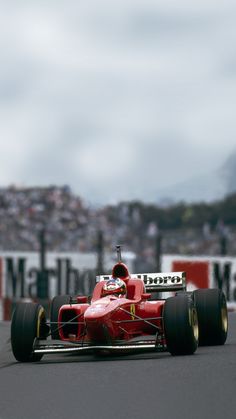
[
  {"x": 224, "y": 319},
  {"x": 41, "y": 315},
  {"x": 194, "y": 322}
]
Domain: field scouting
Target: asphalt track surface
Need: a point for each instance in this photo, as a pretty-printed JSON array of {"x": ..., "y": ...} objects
[{"x": 142, "y": 386}]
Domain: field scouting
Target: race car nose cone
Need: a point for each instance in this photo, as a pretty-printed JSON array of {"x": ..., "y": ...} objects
[
  {"x": 97, "y": 309},
  {"x": 97, "y": 318}
]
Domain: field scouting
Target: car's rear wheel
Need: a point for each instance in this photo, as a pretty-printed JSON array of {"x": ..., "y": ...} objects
[
  {"x": 28, "y": 322},
  {"x": 180, "y": 325},
  {"x": 56, "y": 304},
  {"x": 212, "y": 316}
]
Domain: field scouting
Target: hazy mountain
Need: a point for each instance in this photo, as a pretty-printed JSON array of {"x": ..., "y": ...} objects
[
  {"x": 228, "y": 172},
  {"x": 208, "y": 187}
]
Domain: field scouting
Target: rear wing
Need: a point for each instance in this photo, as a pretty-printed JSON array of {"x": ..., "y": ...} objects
[{"x": 157, "y": 282}]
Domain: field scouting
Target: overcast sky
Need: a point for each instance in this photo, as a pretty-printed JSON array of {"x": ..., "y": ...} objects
[{"x": 116, "y": 99}]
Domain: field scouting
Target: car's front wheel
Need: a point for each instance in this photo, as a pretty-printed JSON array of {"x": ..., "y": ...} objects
[
  {"x": 180, "y": 325},
  {"x": 28, "y": 323}
]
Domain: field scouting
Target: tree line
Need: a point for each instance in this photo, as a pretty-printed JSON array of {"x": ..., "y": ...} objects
[{"x": 184, "y": 215}]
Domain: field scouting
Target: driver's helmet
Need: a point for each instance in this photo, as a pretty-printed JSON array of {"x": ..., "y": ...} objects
[{"x": 114, "y": 286}]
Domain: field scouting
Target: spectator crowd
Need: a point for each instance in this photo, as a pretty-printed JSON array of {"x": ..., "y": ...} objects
[{"x": 72, "y": 225}]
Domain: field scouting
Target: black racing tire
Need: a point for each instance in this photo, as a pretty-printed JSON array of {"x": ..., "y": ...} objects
[
  {"x": 56, "y": 304},
  {"x": 180, "y": 325},
  {"x": 28, "y": 322},
  {"x": 212, "y": 316}
]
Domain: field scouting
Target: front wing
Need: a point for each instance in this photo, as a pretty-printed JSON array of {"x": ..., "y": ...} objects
[{"x": 62, "y": 347}]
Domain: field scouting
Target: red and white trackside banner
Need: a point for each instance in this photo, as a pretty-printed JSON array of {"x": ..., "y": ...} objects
[{"x": 206, "y": 272}]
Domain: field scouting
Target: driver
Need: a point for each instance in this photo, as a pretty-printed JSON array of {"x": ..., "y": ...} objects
[{"x": 115, "y": 287}]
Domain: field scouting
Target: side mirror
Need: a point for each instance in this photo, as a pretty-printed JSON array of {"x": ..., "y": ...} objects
[
  {"x": 146, "y": 296},
  {"x": 81, "y": 299}
]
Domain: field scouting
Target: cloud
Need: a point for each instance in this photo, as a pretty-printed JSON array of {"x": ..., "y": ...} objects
[{"x": 99, "y": 94}]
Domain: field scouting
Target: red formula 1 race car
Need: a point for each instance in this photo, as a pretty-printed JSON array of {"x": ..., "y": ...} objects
[{"x": 125, "y": 313}]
